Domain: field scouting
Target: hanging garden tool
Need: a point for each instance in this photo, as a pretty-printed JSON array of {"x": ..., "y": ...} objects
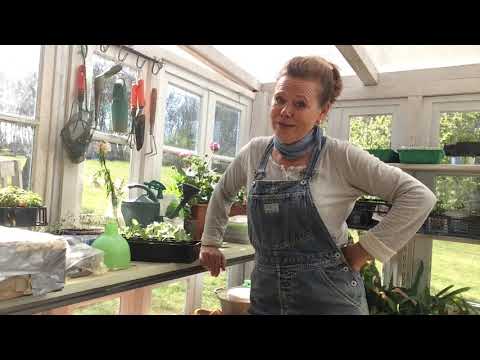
[
  {"x": 140, "y": 118},
  {"x": 133, "y": 114},
  {"x": 99, "y": 86},
  {"x": 77, "y": 132},
  {"x": 153, "y": 108},
  {"x": 120, "y": 107}
]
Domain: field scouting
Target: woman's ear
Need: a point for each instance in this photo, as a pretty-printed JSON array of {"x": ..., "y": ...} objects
[{"x": 323, "y": 114}]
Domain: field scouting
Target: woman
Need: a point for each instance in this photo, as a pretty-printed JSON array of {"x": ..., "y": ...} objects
[{"x": 301, "y": 188}]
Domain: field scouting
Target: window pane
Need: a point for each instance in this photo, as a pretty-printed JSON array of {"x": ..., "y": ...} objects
[
  {"x": 182, "y": 118},
  {"x": 101, "y": 65},
  {"x": 456, "y": 264},
  {"x": 226, "y": 132},
  {"x": 16, "y": 151},
  {"x": 19, "y": 79},
  {"x": 220, "y": 165},
  {"x": 459, "y": 126},
  {"x": 371, "y": 131},
  {"x": 94, "y": 196}
]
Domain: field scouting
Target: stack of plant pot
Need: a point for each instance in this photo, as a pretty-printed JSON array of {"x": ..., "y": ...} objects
[
  {"x": 21, "y": 208},
  {"x": 463, "y": 152},
  {"x": 367, "y": 213}
]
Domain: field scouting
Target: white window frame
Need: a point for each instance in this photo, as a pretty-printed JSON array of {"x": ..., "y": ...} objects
[
  {"x": 33, "y": 122},
  {"x": 339, "y": 118},
  {"x": 214, "y": 99},
  {"x": 434, "y": 106},
  {"x": 196, "y": 90}
]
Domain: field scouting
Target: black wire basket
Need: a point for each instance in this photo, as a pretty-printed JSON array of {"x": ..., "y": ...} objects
[
  {"x": 367, "y": 213},
  {"x": 23, "y": 217}
]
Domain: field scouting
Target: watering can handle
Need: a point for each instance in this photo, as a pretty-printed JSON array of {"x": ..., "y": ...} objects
[{"x": 150, "y": 193}]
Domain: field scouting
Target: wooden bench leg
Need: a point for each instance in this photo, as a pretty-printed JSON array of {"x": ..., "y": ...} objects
[{"x": 136, "y": 302}]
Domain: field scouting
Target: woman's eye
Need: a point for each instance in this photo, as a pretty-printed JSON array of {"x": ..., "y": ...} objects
[
  {"x": 279, "y": 100},
  {"x": 300, "y": 104}
]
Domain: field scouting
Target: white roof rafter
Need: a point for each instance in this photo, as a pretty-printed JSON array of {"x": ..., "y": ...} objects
[
  {"x": 222, "y": 64},
  {"x": 357, "y": 57}
]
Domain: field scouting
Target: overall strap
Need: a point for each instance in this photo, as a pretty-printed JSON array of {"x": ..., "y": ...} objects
[
  {"x": 314, "y": 158},
  {"x": 260, "y": 172}
]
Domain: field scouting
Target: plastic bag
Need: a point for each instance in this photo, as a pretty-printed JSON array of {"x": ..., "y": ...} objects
[{"x": 82, "y": 259}]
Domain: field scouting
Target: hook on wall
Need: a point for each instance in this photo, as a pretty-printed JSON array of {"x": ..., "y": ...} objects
[
  {"x": 104, "y": 48},
  {"x": 142, "y": 64},
  {"x": 159, "y": 66},
  {"x": 124, "y": 57},
  {"x": 84, "y": 51}
]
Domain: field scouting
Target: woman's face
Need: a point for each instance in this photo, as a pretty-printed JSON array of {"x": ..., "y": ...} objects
[{"x": 295, "y": 109}]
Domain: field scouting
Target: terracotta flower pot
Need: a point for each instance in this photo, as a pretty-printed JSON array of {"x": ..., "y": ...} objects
[{"x": 199, "y": 212}]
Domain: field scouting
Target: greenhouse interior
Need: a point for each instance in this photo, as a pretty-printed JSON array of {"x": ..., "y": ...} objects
[{"x": 114, "y": 159}]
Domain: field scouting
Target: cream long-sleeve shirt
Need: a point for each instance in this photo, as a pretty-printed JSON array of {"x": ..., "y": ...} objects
[{"x": 343, "y": 173}]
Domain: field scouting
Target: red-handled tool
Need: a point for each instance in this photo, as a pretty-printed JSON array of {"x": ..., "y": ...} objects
[{"x": 140, "y": 118}]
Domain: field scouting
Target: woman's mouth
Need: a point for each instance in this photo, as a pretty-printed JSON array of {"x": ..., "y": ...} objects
[{"x": 285, "y": 125}]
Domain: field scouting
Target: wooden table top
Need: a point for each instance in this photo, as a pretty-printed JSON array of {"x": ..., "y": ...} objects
[{"x": 140, "y": 274}]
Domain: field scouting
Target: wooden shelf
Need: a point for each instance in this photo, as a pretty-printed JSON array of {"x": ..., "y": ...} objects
[
  {"x": 441, "y": 168},
  {"x": 449, "y": 238}
]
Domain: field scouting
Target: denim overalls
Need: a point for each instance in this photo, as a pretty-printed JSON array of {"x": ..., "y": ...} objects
[{"x": 298, "y": 267}]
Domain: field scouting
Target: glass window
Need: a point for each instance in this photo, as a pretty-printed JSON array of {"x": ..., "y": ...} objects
[
  {"x": 456, "y": 264},
  {"x": 94, "y": 198},
  {"x": 459, "y": 126},
  {"x": 220, "y": 165},
  {"x": 127, "y": 73},
  {"x": 16, "y": 151},
  {"x": 371, "y": 131},
  {"x": 226, "y": 129},
  {"x": 182, "y": 118},
  {"x": 19, "y": 66}
]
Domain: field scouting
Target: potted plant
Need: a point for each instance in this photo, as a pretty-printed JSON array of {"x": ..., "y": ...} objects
[
  {"x": 437, "y": 222},
  {"x": 19, "y": 207},
  {"x": 160, "y": 242},
  {"x": 395, "y": 300}
]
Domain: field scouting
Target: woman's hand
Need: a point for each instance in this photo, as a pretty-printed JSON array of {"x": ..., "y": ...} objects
[
  {"x": 356, "y": 256},
  {"x": 212, "y": 259}
]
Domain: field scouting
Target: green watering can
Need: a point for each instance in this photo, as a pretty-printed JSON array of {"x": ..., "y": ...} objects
[
  {"x": 120, "y": 107},
  {"x": 146, "y": 208}
]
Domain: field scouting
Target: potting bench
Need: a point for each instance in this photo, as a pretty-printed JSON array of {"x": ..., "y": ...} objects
[{"x": 133, "y": 286}]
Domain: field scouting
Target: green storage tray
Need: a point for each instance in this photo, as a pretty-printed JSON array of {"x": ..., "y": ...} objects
[
  {"x": 386, "y": 155},
  {"x": 421, "y": 156}
]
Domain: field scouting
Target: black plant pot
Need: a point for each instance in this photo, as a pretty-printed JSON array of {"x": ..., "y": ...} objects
[
  {"x": 164, "y": 251},
  {"x": 23, "y": 217}
]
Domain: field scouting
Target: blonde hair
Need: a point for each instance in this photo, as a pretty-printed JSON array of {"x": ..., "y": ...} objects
[{"x": 318, "y": 69}]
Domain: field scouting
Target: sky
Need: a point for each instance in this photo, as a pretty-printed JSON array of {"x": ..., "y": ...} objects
[{"x": 17, "y": 60}]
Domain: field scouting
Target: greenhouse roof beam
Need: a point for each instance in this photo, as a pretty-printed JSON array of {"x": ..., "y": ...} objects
[
  {"x": 357, "y": 57},
  {"x": 214, "y": 58}
]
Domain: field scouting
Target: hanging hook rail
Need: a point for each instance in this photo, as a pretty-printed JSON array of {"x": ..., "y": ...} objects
[
  {"x": 119, "y": 52},
  {"x": 143, "y": 62},
  {"x": 157, "y": 64}
]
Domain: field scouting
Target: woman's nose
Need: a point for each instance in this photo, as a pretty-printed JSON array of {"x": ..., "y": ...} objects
[{"x": 286, "y": 110}]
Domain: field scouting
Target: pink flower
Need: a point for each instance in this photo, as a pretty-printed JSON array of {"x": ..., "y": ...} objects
[
  {"x": 184, "y": 154},
  {"x": 214, "y": 146}
]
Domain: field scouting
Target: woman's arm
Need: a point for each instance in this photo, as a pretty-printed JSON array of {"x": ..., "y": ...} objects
[
  {"x": 222, "y": 198},
  {"x": 412, "y": 201}
]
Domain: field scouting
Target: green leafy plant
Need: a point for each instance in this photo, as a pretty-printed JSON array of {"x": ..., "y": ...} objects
[
  {"x": 113, "y": 189},
  {"x": 395, "y": 300},
  {"x": 13, "y": 196},
  {"x": 197, "y": 172},
  {"x": 163, "y": 231}
]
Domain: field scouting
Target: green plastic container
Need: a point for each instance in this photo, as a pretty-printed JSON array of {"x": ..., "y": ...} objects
[
  {"x": 421, "y": 156},
  {"x": 116, "y": 248},
  {"x": 386, "y": 155}
]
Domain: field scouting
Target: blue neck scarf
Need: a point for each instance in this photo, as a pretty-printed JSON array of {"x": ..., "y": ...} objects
[{"x": 296, "y": 150}]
